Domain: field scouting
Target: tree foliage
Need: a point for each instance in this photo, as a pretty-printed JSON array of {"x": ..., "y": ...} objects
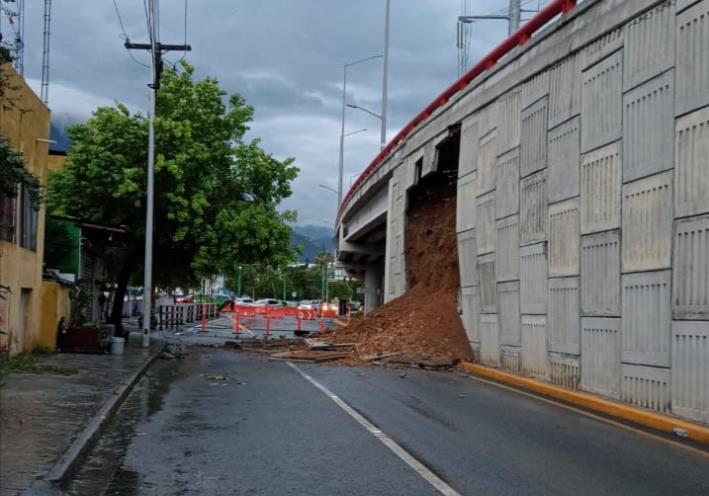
[
  {"x": 216, "y": 195},
  {"x": 13, "y": 175}
]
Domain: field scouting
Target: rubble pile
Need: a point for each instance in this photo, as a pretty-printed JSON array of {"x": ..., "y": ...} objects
[{"x": 423, "y": 325}]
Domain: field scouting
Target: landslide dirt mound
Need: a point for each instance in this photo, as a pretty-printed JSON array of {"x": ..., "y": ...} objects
[{"x": 423, "y": 324}]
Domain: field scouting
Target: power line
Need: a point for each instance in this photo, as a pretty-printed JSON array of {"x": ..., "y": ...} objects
[
  {"x": 120, "y": 19},
  {"x": 125, "y": 35}
]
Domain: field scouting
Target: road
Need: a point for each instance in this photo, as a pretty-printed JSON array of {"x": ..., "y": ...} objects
[{"x": 220, "y": 422}]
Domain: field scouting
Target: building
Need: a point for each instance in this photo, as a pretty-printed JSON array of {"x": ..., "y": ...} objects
[{"x": 24, "y": 123}]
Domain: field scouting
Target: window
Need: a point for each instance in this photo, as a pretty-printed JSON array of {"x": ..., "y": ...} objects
[
  {"x": 28, "y": 222},
  {"x": 8, "y": 214}
]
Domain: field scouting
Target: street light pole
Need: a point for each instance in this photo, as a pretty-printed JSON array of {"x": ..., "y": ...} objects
[
  {"x": 342, "y": 128},
  {"x": 385, "y": 78}
]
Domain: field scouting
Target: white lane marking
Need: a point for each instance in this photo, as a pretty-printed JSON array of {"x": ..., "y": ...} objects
[{"x": 412, "y": 462}]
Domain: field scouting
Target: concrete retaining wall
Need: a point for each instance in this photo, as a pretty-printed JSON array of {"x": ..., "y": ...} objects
[{"x": 586, "y": 188}]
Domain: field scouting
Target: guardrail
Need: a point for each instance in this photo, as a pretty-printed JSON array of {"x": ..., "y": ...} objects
[{"x": 519, "y": 37}]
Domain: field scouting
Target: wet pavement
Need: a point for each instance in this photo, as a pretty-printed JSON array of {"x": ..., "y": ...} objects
[
  {"x": 221, "y": 422},
  {"x": 41, "y": 414}
]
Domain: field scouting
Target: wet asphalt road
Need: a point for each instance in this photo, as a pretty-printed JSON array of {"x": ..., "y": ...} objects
[{"x": 266, "y": 430}]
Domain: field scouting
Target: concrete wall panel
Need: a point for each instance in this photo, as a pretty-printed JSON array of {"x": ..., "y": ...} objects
[
  {"x": 564, "y": 238},
  {"x": 564, "y": 90},
  {"x": 487, "y": 157},
  {"x": 534, "y": 346},
  {"x": 564, "y": 158},
  {"x": 648, "y": 128},
  {"x": 564, "y": 333},
  {"x": 649, "y": 44},
  {"x": 691, "y": 171},
  {"x": 533, "y": 279},
  {"x": 600, "y": 356},
  {"x": 508, "y": 304},
  {"x": 469, "y": 140},
  {"x": 508, "y": 108},
  {"x": 467, "y": 262},
  {"x": 507, "y": 184},
  {"x": 534, "y": 89},
  {"x": 601, "y": 179},
  {"x": 690, "y": 370},
  {"x": 646, "y": 318},
  {"x": 647, "y": 223},
  {"x": 604, "y": 46},
  {"x": 486, "y": 223},
  {"x": 470, "y": 305},
  {"x": 465, "y": 203},
  {"x": 646, "y": 387},
  {"x": 533, "y": 138},
  {"x": 488, "y": 289},
  {"x": 510, "y": 359},
  {"x": 533, "y": 208},
  {"x": 600, "y": 274},
  {"x": 507, "y": 252},
  {"x": 601, "y": 102},
  {"x": 565, "y": 370},
  {"x": 690, "y": 291},
  {"x": 692, "y": 65},
  {"x": 489, "y": 340}
]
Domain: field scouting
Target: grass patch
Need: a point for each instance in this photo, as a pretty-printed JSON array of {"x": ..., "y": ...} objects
[{"x": 27, "y": 364}]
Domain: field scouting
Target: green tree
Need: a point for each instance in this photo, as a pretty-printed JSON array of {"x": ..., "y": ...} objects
[{"x": 216, "y": 195}]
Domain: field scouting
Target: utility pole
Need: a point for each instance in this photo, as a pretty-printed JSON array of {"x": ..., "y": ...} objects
[
  {"x": 156, "y": 51},
  {"x": 385, "y": 77}
]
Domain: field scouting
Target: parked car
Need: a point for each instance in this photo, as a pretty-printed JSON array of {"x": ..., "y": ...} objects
[
  {"x": 270, "y": 302},
  {"x": 309, "y": 304}
]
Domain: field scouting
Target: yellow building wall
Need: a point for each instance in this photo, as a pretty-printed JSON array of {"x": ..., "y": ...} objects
[
  {"x": 24, "y": 122},
  {"x": 55, "y": 162},
  {"x": 55, "y": 305}
]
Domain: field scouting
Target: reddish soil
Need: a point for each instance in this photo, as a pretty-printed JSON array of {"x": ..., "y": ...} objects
[{"x": 423, "y": 324}]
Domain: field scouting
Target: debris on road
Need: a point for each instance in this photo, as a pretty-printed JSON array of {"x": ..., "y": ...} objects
[
  {"x": 317, "y": 344},
  {"x": 423, "y": 325},
  {"x": 309, "y": 356}
]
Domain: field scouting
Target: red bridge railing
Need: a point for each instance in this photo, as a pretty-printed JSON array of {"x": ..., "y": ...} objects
[{"x": 519, "y": 37}]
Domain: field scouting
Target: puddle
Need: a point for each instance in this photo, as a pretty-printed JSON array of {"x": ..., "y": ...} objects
[{"x": 102, "y": 472}]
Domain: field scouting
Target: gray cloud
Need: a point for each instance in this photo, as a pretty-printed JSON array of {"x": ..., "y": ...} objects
[{"x": 284, "y": 56}]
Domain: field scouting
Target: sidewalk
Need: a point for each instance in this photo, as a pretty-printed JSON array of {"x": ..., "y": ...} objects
[{"x": 42, "y": 414}]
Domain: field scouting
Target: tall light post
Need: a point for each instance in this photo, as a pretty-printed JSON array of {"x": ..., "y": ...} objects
[
  {"x": 342, "y": 131},
  {"x": 385, "y": 77},
  {"x": 373, "y": 114}
]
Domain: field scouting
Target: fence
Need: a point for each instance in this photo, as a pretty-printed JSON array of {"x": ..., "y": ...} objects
[{"x": 170, "y": 316}]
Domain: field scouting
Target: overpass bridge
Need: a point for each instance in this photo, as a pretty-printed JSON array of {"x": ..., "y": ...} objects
[{"x": 580, "y": 152}]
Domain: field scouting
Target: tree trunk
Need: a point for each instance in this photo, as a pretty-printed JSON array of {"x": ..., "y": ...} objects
[{"x": 121, "y": 286}]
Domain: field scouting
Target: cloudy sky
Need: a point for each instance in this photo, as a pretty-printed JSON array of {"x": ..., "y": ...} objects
[{"x": 284, "y": 56}]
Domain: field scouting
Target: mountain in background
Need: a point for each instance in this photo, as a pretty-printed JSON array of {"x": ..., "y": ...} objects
[{"x": 313, "y": 239}]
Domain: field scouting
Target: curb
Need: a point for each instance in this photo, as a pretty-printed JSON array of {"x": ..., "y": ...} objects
[
  {"x": 657, "y": 421},
  {"x": 68, "y": 461}
]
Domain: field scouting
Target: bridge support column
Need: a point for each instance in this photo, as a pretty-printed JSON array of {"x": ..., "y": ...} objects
[{"x": 373, "y": 291}]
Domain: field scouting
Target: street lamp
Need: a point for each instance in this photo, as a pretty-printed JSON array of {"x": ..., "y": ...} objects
[
  {"x": 355, "y": 132},
  {"x": 342, "y": 132},
  {"x": 324, "y": 186},
  {"x": 365, "y": 110}
]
